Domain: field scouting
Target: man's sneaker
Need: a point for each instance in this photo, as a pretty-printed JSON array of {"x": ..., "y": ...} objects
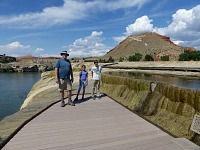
[
  {"x": 98, "y": 96},
  {"x": 62, "y": 104},
  {"x": 71, "y": 103},
  {"x": 93, "y": 97}
]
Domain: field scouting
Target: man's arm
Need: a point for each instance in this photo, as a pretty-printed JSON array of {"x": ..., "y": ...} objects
[
  {"x": 92, "y": 74},
  {"x": 57, "y": 76},
  {"x": 72, "y": 75}
]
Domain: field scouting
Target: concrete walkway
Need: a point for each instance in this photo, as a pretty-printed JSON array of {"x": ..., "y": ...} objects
[{"x": 91, "y": 124}]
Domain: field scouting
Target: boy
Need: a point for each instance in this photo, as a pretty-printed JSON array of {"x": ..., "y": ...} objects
[
  {"x": 83, "y": 82},
  {"x": 96, "y": 74}
]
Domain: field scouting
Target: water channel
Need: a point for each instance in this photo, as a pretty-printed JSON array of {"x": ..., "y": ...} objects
[{"x": 180, "y": 81}]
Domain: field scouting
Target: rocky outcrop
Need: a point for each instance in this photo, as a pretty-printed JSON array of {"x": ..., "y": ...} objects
[
  {"x": 7, "y": 59},
  {"x": 171, "y": 108}
]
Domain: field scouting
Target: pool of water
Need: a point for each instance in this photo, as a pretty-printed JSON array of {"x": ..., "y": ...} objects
[
  {"x": 14, "y": 88},
  {"x": 181, "y": 81}
]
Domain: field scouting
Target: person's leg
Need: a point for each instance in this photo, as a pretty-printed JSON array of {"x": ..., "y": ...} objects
[
  {"x": 83, "y": 94},
  {"x": 70, "y": 98},
  {"x": 78, "y": 92},
  {"x": 98, "y": 87},
  {"x": 62, "y": 87},
  {"x": 84, "y": 85},
  {"x": 62, "y": 95},
  {"x": 69, "y": 88},
  {"x": 62, "y": 99},
  {"x": 94, "y": 87}
]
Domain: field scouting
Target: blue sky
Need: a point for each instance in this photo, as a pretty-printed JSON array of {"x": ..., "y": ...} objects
[{"x": 92, "y": 27}]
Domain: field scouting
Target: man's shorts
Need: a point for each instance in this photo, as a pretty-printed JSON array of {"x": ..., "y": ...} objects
[{"x": 65, "y": 84}]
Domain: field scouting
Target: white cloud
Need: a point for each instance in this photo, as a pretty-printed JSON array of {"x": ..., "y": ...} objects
[
  {"x": 72, "y": 10},
  {"x": 89, "y": 46},
  {"x": 39, "y": 51},
  {"x": 184, "y": 28},
  {"x": 110, "y": 5},
  {"x": 119, "y": 39},
  {"x": 142, "y": 24},
  {"x": 17, "y": 49}
]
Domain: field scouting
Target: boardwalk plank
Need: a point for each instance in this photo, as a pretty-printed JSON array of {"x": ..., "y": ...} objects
[{"x": 93, "y": 124}]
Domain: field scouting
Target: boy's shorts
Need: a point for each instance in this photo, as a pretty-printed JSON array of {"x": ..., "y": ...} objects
[
  {"x": 96, "y": 83},
  {"x": 65, "y": 84}
]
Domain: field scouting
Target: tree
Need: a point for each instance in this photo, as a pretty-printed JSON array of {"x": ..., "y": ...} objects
[
  {"x": 138, "y": 56},
  {"x": 135, "y": 57},
  {"x": 102, "y": 60},
  {"x": 165, "y": 58},
  {"x": 148, "y": 57},
  {"x": 189, "y": 55},
  {"x": 183, "y": 57},
  {"x": 121, "y": 59},
  {"x": 110, "y": 59}
]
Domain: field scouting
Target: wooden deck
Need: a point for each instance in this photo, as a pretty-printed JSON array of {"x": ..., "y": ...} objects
[{"x": 92, "y": 124}]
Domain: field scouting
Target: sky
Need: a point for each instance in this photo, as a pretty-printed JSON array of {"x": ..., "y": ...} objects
[{"x": 92, "y": 27}]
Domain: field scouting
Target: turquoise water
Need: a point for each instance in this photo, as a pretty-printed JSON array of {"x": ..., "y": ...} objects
[{"x": 14, "y": 88}]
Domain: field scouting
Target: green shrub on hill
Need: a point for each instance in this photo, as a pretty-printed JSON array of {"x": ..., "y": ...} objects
[
  {"x": 110, "y": 59},
  {"x": 164, "y": 58},
  {"x": 121, "y": 59},
  {"x": 189, "y": 55},
  {"x": 149, "y": 57},
  {"x": 135, "y": 57}
]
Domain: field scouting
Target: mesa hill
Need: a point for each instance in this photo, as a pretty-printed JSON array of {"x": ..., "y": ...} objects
[{"x": 146, "y": 43}]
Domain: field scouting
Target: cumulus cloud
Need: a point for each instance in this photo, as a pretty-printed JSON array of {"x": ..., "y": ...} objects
[
  {"x": 183, "y": 30},
  {"x": 17, "y": 49},
  {"x": 72, "y": 10},
  {"x": 39, "y": 51},
  {"x": 89, "y": 46},
  {"x": 119, "y": 38},
  {"x": 141, "y": 25}
]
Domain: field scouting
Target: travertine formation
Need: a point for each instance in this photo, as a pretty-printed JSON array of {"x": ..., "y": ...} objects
[{"x": 171, "y": 108}]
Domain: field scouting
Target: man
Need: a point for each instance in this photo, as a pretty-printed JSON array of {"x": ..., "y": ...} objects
[
  {"x": 96, "y": 74},
  {"x": 64, "y": 77}
]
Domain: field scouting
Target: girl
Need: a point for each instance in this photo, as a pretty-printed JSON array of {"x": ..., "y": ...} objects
[{"x": 83, "y": 81}]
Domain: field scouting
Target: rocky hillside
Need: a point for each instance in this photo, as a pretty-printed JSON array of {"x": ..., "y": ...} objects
[{"x": 147, "y": 43}]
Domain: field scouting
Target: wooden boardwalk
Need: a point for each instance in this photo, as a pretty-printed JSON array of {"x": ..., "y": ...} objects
[{"x": 90, "y": 125}]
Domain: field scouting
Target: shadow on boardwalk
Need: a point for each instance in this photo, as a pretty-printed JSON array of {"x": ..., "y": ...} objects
[{"x": 89, "y": 97}]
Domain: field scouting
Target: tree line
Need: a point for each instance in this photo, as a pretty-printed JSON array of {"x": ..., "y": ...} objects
[
  {"x": 189, "y": 55},
  {"x": 185, "y": 56}
]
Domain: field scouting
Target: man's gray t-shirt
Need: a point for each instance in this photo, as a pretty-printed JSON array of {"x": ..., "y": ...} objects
[{"x": 64, "y": 68}]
